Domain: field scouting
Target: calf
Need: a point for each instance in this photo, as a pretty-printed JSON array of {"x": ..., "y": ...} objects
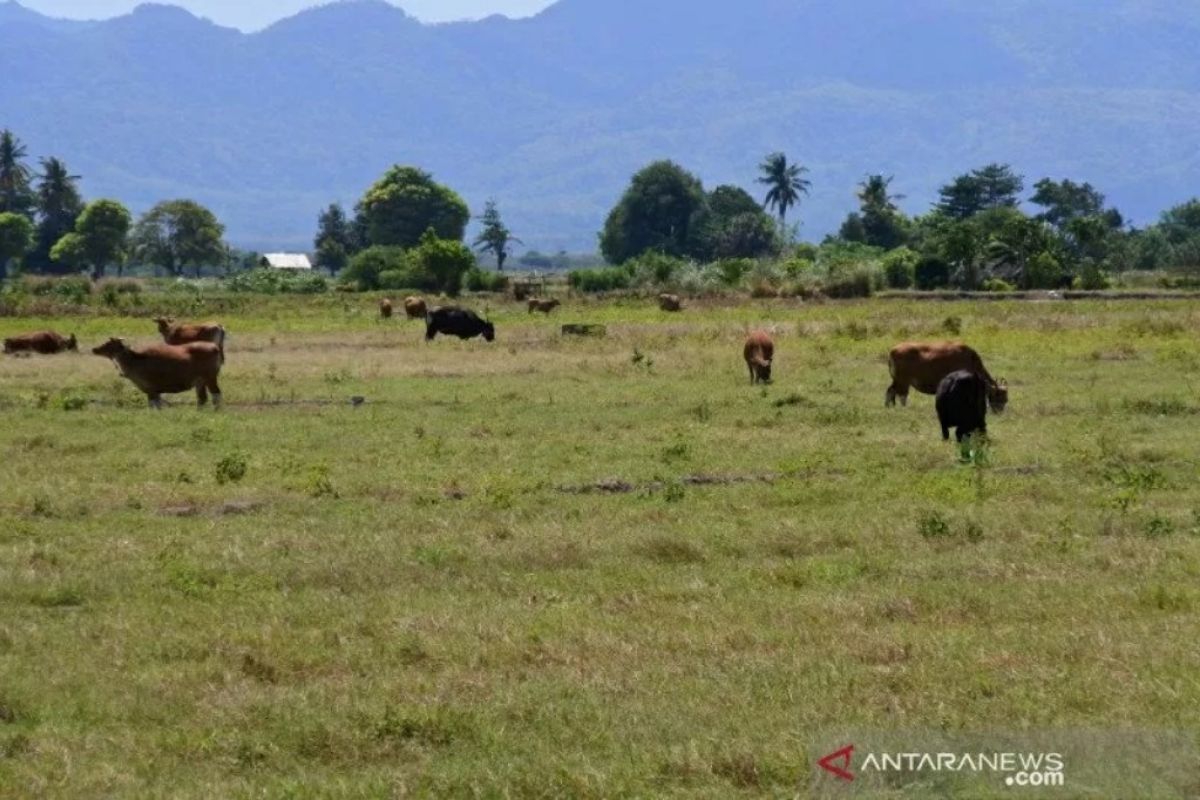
[
  {"x": 759, "y": 353},
  {"x": 922, "y": 365},
  {"x": 460, "y": 322},
  {"x": 385, "y": 308},
  {"x": 46, "y": 343},
  {"x": 544, "y": 306},
  {"x": 962, "y": 404},
  {"x": 670, "y": 302},
  {"x": 415, "y": 308},
  {"x": 168, "y": 369},
  {"x": 188, "y": 333}
]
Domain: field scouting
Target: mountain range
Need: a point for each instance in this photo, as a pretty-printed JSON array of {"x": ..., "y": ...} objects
[{"x": 550, "y": 115}]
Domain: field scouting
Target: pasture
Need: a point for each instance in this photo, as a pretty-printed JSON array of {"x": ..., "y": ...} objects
[{"x": 585, "y": 567}]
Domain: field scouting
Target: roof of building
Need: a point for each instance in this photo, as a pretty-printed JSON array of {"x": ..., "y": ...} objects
[{"x": 287, "y": 261}]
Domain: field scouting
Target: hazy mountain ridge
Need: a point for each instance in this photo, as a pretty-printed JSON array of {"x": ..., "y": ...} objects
[{"x": 550, "y": 115}]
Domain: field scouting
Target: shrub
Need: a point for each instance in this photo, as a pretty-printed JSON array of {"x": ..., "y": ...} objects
[
  {"x": 731, "y": 271},
  {"x": 655, "y": 269},
  {"x": 368, "y": 265},
  {"x": 931, "y": 273},
  {"x": 1043, "y": 272},
  {"x": 446, "y": 260},
  {"x": 856, "y": 281},
  {"x": 997, "y": 285},
  {"x": 1092, "y": 278},
  {"x": 899, "y": 268},
  {"x": 231, "y": 469},
  {"x": 271, "y": 281},
  {"x": 479, "y": 280},
  {"x": 604, "y": 279}
]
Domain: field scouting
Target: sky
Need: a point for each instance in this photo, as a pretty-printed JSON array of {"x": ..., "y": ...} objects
[{"x": 255, "y": 14}]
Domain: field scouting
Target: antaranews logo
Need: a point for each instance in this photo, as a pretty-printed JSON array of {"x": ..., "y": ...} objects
[{"x": 1019, "y": 769}]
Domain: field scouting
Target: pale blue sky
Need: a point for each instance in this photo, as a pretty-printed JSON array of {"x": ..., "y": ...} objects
[{"x": 255, "y": 14}]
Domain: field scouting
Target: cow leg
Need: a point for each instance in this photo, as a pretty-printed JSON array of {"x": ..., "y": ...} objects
[
  {"x": 216, "y": 394},
  {"x": 201, "y": 395},
  {"x": 890, "y": 400},
  {"x": 753, "y": 375}
]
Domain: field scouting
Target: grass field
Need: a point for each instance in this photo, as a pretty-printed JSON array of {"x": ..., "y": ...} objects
[{"x": 586, "y": 568}]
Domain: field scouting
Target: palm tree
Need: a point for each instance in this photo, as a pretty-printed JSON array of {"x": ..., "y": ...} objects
[
  {"x": 873, "y": 193},
  {"x": 15, "y": 196},
  {"x": 786, "y": 181},
  {"x": 59, "y": 205}
]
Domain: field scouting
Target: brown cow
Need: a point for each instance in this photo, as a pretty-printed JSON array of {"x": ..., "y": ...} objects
[
  {"x": 45, "y": 342},
  {"x": 670, "y": 302},
  {"x": 923, "y": 365},
  {"x": 544, "y": 306},
  {"x": 415, "y": 308},
  {"x": 184, "y": 333},
  {"x": 168, "y": 369},
  {"x": 385, "y": 308},
  {"x": 759, "y": 352}
]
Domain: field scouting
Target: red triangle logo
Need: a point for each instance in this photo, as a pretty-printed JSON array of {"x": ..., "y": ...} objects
[{"x": 839, "y": 763}]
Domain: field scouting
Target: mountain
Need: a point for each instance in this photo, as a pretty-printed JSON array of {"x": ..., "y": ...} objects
[{"x": 551, "y": 115}]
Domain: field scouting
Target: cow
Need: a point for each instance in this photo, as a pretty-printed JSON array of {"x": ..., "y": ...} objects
[
  {"x": 385, "y": 308},
  {"x": 415, "y": 308},
  {"x": 670, "y": 302},
  {"x": 168, "y": 369},
  {"x": 46, "y": 343},
  {"x": 544, "y": 306},
  {"x": 962, "y": 403},
  {"x": 188, "y": 333},
  {"x": 460, "y": 322},
  {"x": 922, "y": 365},
  {"x": 759, "y": 352}
]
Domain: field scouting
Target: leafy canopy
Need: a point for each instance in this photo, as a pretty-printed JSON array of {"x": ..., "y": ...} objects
[{"x": 405, "y": 203}]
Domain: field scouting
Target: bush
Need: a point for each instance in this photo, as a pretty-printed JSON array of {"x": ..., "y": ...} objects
[
  {"x": 448, "y": 261},
  {"x": 731, "y": 271},
  {"x": 931, "y": 273},
  {"x": 765, "y": 280},
  {"x": 997, "y": 285},
  {"x": 272, "y": 281},
  {"x": 73, "y": 289},
  {"x": 855, "y": 281},
  {"x": 604, "y": 279},
  {"x": 1043, "y": 272},
  {"x": 368, "y": 265},
  {"x": 899, "y": 268},
  {"x": 655, "y": 269},
  {"x": 479, "y": 280},
  {"x": 1092, "y": 278}
]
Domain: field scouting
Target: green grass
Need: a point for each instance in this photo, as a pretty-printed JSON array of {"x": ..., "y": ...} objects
[{"x": 545, "y": 568}]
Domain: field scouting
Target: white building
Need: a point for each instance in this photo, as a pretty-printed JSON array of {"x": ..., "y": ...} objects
[{"x": 289, "y": 261}]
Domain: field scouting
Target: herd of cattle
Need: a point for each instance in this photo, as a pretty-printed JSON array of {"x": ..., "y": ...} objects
[{"x": 191, "y": 357}]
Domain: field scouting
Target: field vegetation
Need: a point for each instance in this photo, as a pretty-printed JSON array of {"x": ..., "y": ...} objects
[{"x": 582, "y": 567}]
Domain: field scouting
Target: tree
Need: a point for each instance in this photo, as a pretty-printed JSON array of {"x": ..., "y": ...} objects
[
  {"x": 59, "y": 206},
  {"x": 447, "y": 260},
  {"x": 1181, "y": 223},
  {"x": 732, "y": 225},
  {"x": 406, "y": 202},
  {"x": 15, "y": 195},
  {"x": 178, "y": 234},
  {"x": 656, "y": 212},
  {"x": 879, "y": 222},
  {"x": 993, "y": 186},
  {"x": 16, "y": 236},
  {"x": 785, "y": 182},
  {"x": 495, "y": 236},
  {"x": 335, "y": 239},
  {"x": 100, "y": 238},
  {"x": 1066, "y": 200}
]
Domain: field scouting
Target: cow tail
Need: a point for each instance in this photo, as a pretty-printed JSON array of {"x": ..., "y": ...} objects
[{"x": 221, "y": 343}]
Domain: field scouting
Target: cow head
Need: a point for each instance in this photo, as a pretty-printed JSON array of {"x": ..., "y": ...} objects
[
  {"x": 73, "y": 343},
  {"x": 164, "y": 324},
  {"x": 489, "y": 332},
  {"x": 998, "y": 395},
  {"x": 762, "y": 369},
  {"x": 111, "y": 349}
]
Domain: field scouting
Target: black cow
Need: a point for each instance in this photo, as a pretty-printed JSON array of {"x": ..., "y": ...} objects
[
  {"x": 962, "y": 404},
  {"x": 460, "y": 322}
]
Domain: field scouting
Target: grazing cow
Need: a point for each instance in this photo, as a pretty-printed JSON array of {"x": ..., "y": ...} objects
[
  {"x": 415, "y": 308},
  {"x": 670, "y": 302},
  {"x": 922, "y": 366},
  {"x": 455, "y": 321},
  {"x": 46, "y": 343},
  {"x": 759, "y": 352},
  {"x": 385, "y": 308},
  {"x": 184, "y": 333},
  {"x": 168, "y": 369},
  {"x": 544, "y": 306},
  {"x": 962, "y": 401}
]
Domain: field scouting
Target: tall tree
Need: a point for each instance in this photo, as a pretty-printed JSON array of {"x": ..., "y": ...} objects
[
  {"x": 15, "y": 194},
  {"x": 785, "y": 184},
  {"x": 406, "y": 202},
  {"x": 177, "y": 235},
  {"x": 495, "y": 237},
  {"x": 59, "y": 206},
  {"x": 334, "y": 241},
  {"x": 656, "y": 212},
  {"x": 993, "y": 186},
  {"x": 100, "y": 238},
  {"x": 882, "y": 223},
  {"x": 16, "y": 236}
]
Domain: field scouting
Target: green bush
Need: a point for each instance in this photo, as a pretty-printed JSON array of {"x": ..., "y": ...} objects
[
  {"x": 1091, "y": 278},
  {"x": 1043, "y": 272},
  {"x": 446, "y": 260},
  {"x": 899, "y": 268},
  {"x": 272, "y": 281},
  {"x": 655, "y": 269},
  {"x": 931, "y": 273},
  {"x": 997, "y": 285},
  {"x": 859, "y": 280},
  {"x": 731, "y": 271},
  {"x": 603, "y": 279},
  {"x": 479, "y": 280}
]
